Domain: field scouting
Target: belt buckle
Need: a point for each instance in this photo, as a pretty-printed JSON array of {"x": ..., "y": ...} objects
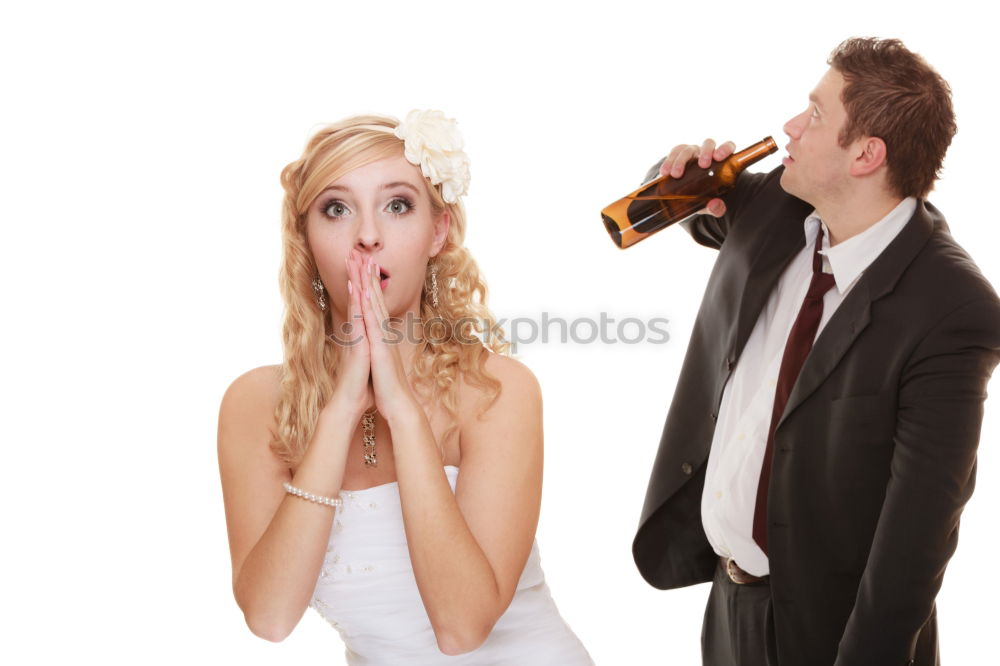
[{"x": 732, "y": 571}]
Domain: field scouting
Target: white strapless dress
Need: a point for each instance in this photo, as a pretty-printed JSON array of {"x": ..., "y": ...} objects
[{"x": 367, "y": 591}]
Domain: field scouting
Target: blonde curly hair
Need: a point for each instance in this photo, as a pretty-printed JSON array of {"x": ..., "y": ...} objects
[{"x": 311, "y": 354}]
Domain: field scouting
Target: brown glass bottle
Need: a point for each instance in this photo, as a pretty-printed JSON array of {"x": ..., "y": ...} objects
[{"x": 661, "y": 202}]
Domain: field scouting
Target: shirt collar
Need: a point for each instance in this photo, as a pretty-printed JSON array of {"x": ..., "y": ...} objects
[{"x": 849, "y": 259}]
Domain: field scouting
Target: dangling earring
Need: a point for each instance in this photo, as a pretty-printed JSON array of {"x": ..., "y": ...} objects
[
  {"x": 434, "y": 285},
  {"x": 320, "y": 291}
]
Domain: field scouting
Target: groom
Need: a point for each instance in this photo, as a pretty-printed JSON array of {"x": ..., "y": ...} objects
[{"x": 822, "y": 439}]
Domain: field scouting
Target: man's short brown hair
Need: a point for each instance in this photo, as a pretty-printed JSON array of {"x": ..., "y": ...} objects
[{"x": 893, "y": 94}]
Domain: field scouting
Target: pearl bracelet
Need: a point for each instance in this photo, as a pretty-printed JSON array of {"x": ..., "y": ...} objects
[{"x": 319, "y": 499}]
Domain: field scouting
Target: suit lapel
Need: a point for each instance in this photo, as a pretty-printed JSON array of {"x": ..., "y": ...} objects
[
  {"x": 778, "y": 249},
  {"x": 854, "y": 313},
  {"x": 834, "y": 340}
]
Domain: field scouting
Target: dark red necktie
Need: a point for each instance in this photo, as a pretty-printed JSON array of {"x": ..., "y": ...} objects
[{"x": 800, "y": 341}]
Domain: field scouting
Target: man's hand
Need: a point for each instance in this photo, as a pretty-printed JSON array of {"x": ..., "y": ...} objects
[{"x": 706, "y": 153}]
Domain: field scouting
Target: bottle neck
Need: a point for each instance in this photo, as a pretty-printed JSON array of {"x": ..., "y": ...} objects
[{"x": 757, "y": 151}]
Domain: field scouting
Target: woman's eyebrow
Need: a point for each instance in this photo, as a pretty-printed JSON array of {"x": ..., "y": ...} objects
[
  {"x": 399, "y": 183},
  {"x": 387, "y": 186}
]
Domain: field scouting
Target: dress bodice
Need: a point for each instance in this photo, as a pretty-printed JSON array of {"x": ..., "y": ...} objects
[{"x": 367, "y": 591}]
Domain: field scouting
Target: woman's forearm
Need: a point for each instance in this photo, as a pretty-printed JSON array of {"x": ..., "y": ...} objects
[
  {"x": 276, "y": 580},
  {"x": 457, "y": 584}
]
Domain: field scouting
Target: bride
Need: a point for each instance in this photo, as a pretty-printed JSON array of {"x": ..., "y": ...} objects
[{"x": 388, "y": 473}]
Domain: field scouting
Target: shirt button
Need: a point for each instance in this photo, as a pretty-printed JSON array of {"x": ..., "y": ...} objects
[
  {"x": 718, "y": 494},
  {"x": 741, "y": 436},
  {"x": 686, "y": 468}
]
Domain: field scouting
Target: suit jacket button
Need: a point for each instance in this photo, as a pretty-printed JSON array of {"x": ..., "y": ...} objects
[
  {"x": 686, "y": 468},
  {"x": 715, "y": 417}
]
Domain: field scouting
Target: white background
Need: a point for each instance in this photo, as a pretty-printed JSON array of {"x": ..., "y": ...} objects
[{"x": 141, "y": 147}]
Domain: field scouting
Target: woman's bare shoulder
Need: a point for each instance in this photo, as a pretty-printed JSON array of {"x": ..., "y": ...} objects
[
  {"x": 505, "y": 432},
  {"x": 518, "y": 385},
  {"x": 513, "y": 374},
  {"x": 257, "y": 387},
  {"x": 249, "y": 403}
]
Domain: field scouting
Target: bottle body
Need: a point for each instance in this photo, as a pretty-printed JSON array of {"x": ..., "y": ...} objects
[{"x": 665, "y": 200}]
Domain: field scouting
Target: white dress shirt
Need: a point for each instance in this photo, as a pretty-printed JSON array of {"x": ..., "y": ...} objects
[{"x": 737, "y": 453}]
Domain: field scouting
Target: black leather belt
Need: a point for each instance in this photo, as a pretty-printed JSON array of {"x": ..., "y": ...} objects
[{"x": 737, "y": 575}]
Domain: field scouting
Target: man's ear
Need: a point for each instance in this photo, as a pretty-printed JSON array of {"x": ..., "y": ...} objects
[
  {"x": 870, "y": 154},
  {"x": 441, "y": 226}
]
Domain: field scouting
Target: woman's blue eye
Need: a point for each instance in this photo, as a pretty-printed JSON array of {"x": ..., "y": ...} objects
[
  {"x": 335, "y": 209},
  {"x": 399, "y": 206}
]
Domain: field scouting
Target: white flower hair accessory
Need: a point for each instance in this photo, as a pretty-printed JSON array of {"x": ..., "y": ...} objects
[{"x": 433, "y": 143}]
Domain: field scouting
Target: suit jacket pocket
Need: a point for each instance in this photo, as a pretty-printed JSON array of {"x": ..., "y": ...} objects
[
  {"x": 865, "y": 408},
  {"x": 864, "y": 419}
]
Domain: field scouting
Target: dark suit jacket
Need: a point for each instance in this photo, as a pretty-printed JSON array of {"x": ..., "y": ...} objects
[{"x": 875, "y": 454}]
